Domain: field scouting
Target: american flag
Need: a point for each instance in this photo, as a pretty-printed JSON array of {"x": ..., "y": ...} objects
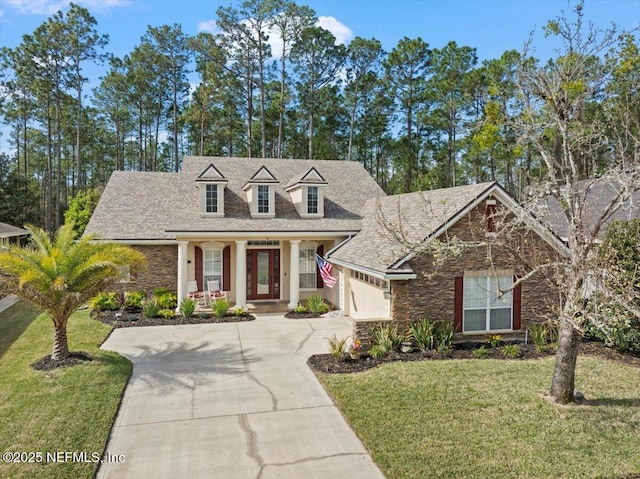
[{"x": 325, "y": 272}]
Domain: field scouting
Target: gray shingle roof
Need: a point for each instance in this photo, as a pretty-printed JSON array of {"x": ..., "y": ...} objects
[
  {"x": 415, "y": 215},
  {"x": 9, "y": 231},
  {"x": 146, "y": 206},
  {"x": 598, "y": 194}
]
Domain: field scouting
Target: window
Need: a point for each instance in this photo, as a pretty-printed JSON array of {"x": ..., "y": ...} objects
[
  {"x": 263, "y": 199},
  {"x": 211, "y": 199},
  {"x": 312, "y": 200},
  {"x": 308, "y": 268},
  {"x": 263, "y": 243},
  {"x": 483, "y": 309},
  {"x": 212, "y": 265},
  {"x": 126, "y": 275}
]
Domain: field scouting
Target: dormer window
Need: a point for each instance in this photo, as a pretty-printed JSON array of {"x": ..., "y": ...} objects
[
  {"x": 312, "y": 200},
  {"x": 263, "y": 199},
  {"x": 211, "y": 198},
  {"x": 307, "y": 194},
  {"x": 261, "y": 193},
  {"x": 212, "y": 185}
]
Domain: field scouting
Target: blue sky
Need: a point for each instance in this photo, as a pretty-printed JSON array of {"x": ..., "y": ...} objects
[{"x": 491, "y": 26}]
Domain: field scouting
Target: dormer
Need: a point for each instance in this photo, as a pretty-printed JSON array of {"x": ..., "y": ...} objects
[
  {"x": 307, "y": 194},
  {"x": 261, "y": 193},
  {"x": 211, "y": 184}
]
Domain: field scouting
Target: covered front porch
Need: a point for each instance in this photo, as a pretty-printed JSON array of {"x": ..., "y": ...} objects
[{"x": 255, "y": 270}]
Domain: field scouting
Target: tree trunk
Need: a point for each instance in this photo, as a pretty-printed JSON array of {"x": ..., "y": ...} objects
[
  {"x": 60, "y": 345},
  {"x": 281, "y": 105},
  {"x": 562, "y": 383}
]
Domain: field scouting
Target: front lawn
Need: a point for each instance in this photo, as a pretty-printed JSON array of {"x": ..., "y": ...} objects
[
  {"x": 67, "y": 409},
  {"x": 488, "y": 419}
]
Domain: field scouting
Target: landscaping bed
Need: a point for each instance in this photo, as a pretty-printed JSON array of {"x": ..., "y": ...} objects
[
  {"x": 306, "y": 315},
  {"x": 135, "y": 319},
  {"x": 326, "y": 363}
]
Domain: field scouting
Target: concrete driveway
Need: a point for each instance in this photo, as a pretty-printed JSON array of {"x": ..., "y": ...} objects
[{"x": 233, "y": 400}]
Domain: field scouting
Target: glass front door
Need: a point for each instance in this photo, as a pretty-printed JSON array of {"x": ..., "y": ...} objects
[{"x": 263, "y": 274}]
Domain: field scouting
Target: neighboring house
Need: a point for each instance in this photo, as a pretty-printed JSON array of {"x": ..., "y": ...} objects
[
  {"x": 10, "y": 234},
  {"x": 255, "y": 225}
]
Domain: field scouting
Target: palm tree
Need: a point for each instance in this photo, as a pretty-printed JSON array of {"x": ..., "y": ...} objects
[{"x": 59, "y": 275}]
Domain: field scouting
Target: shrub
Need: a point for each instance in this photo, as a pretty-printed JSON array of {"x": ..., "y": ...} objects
[
  {"x": 161, "y": 291},
  {"x": 494, "y": 340},
  {"x": 621, "y": 333},
  {"x": 151, "y": 308},
  {"x": 167, "y": 300},
  {"x": 300, "y": 309},
  {"x": 443, "y": 335},
  {"x": 133, "y": 300},
  {"x": 188, "y": 307},
  {"x": 167, "y": 313},
  {"x": 336, "y": 347},
  {"x": 316, "y": 305},
  {"x": 481, "y": 352},
  {"x": 377, "y": 352},
  {"x": 221, "y": 307},
  {"x": 422, "y": 333},
  {"x": 539, "y": 335},
  {"x": 239, "y": 311},
  {"x": 512, "y": 351},
  {"x": 105, "y": 302},
  {"x": 387, "y": 338}
]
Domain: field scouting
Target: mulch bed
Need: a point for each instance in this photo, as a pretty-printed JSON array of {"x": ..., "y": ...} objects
[
  {"x": 130, "y": 319},
  {"x": 294, "y": 315},
  {"x": 325, "y": 363},
  {"x": 47, "y": 364}
]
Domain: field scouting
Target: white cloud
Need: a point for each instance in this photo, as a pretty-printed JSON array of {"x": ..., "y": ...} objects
[
  {"x": 339, "y": 30},
  {"x": 208, "y": 26},
  {"x": 49, "y": 7}
]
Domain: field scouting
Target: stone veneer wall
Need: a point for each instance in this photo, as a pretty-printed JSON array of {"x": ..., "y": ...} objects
[
  {"x": 433, "y": 298},
  {"x": 161, "y": 270},
  {"x": 363, "y": 329}
]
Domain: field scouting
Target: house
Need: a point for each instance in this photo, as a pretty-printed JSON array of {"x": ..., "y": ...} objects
[
  {"x": 255, "y": 225},
  {"x": 10, "y": 234}
]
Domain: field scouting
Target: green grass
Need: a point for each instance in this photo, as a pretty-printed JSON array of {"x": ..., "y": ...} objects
[
  {"x": 13, "y": 322},
  {"x": 68, "y": 409},
  {"x": 489, "y": 419}
]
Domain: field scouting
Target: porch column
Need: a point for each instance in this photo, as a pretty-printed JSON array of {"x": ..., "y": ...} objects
[
  {"x": 294, "y": 274},
  {"x": 241, "y": 273},
  {"x": 182, "y": 270}
]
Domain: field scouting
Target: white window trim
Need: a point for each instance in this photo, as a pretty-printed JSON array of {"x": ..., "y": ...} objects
[
  {"x": 314, "y": 246},
  {"x": 309, "y": 213},
  {"x": 127, "y": 278},
  {"x": 252, "y": 193},
  {"x": 487, "y": 276},
  {"x": 212, "y": 247},
  {"x": 203, "y": 201}
]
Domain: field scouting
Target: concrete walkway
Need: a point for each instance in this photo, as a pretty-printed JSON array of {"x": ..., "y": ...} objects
[
  {"x": 233, "y": 400},
  {"x": 7, "y": 302}
]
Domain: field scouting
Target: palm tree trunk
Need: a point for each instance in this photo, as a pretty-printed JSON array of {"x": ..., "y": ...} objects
[{"x": 60, "y": 345}]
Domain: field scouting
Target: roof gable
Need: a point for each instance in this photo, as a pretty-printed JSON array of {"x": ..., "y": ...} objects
[
  {"x": 421, "y": 217},
  {"x": 211, "y": 174},
  {"x": 263, "y": 174},
  {"x": 311, "y": 177}
]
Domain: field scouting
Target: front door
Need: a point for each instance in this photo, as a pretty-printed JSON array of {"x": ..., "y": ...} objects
[{"x": 263, "y": 274}]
